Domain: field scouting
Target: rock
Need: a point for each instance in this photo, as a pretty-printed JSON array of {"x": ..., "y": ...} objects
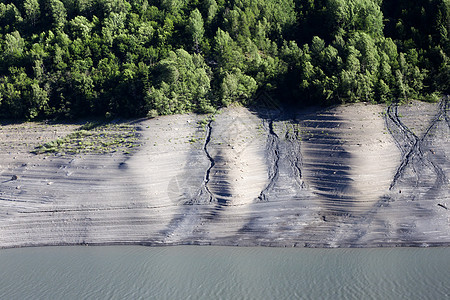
[{"x": 14, "y": 177}]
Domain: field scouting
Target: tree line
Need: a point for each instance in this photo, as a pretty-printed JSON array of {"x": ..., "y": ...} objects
[{"x": 68, "y": 59}]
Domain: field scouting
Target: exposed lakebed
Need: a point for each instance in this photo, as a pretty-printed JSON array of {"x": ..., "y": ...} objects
[{"x": 347, "y": 176}]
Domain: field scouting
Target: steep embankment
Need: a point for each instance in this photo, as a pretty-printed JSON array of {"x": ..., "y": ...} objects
[{"x": 358, "y": 175}]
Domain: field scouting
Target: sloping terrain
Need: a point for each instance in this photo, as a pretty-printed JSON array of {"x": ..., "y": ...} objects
[{"x": 347, "y": 176}]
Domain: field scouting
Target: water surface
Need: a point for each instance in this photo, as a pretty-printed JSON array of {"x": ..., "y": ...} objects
[{"x": 193, "y": 272}]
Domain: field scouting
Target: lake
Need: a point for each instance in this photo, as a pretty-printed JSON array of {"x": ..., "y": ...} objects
[{"x": 196, "y": 272}]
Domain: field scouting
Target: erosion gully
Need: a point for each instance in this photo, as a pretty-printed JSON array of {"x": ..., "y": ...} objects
[
  {"x": 273, "y": 142},
  {"x": 211, "y": 161},
  {"x": 411, "y": 145}
]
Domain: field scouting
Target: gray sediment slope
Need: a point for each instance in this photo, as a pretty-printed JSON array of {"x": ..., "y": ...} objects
[{"x": 348, "y": 176}]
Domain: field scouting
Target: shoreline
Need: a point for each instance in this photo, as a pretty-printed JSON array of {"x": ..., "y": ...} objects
[
  {"x": 200, "y": 244},
  {"x": 350, "y": 176}
]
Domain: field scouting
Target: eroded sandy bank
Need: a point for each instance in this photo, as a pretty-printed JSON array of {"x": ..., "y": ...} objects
[{"x": 348, "y": 176}]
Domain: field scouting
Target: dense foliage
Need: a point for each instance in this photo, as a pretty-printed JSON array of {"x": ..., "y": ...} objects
[{"x": 67, "y": 58}]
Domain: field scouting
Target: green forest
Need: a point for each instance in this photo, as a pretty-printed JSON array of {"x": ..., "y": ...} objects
[{"x": 131, "y": 58}]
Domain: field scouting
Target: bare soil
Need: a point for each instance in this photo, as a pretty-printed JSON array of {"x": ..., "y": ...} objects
[{"x": 347, "y": 176}]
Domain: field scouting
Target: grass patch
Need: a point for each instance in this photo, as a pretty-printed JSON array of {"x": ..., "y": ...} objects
[{"x": 93, "y": 138}]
